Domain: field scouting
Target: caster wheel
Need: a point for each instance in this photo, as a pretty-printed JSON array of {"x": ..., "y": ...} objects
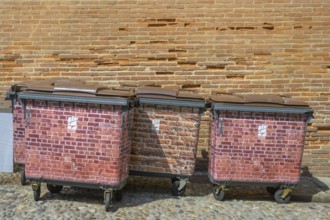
[
  {"x": 279, "y": 199},
  {"x": 271, "y": 190},
  {"x": 54, "y": 188},
  {"x": 219, "y": 196},
  {"x": 175, "y": 188},
  {"x": 107, "y": 201},
  {"x": 119, "y": 195},
  {"x": 23, "y": 178},
  {"x": 36, "y": 194}
]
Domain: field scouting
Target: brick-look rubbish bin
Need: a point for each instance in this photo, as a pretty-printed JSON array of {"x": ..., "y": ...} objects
[
  {"x": 165, "y": 134},
  {"x": 76, "y": 135},
  {"x": 257, "y": 140},
  {"x": 19, "y": 125}
]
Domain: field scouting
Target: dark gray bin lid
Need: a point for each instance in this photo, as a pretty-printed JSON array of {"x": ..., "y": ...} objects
[
  {"x": 66, "y": 90},
  {"x": 258, "y": 103},
  {"x": 164, "y": 96}
]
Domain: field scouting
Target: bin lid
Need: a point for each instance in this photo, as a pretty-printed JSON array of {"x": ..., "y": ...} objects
[
  {"x": 71, "y": 91},
  {"x": 258, "y": 103},
  {"x": 166, "y": 96}
]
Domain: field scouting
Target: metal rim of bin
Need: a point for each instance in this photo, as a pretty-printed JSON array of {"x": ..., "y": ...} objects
[
  {"x": 182, "y": 103},
  {"x": 250, "y": 183},
  {"x": 155, "y": 174},
  {"x": 217, "y": 106},
  {"x": 80, "y": 99},
  {"x": 23, "y": 96},
  {"x": 78, "y": 184}
]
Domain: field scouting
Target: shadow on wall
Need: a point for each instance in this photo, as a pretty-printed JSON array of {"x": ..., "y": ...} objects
[
  {"x": 202, "y": 162},
  {"x": 310, "y": 188},
  {"x": 306, "y": 173}
]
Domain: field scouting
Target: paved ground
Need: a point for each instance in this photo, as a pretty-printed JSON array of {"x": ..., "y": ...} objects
[{"x": 150, "y": 198}]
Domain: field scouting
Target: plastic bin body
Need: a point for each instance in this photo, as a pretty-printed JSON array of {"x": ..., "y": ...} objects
[
  {"x": 76, "y": 144},
  {"x": 257, "y": 147},
  {"x": 165, "y": 139},
  {"x": 19, "y": 134},
  {"x": 76, "y": 135},
  {"x": 165, "y": 134},
  {"x": 257, "y": 143}
]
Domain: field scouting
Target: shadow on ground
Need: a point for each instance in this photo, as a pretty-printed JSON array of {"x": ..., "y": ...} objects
[{"x": 143, "y": 190}]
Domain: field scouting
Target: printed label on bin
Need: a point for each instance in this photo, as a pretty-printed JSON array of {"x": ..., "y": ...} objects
[
  {"x": 262, "y": 131},
  {"x": 72, "y": 123},
  {"x": 155, "y": 124}
]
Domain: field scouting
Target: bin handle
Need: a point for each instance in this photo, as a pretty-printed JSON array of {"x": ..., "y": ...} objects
[
  {"x": 220, "y": 125},
  {"x": 220, "y": 121}
]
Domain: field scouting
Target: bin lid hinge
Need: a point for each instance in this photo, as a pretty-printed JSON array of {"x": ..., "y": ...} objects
[{"x": 27, "y": 114}]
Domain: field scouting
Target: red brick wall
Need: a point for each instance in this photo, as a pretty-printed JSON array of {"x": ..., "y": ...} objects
[
  {"x": 248, "y": 46},
  {"x": 19, "y": 134},
  {"x": 96, "y": 152},
  {"x": 167, "y": 146},
  {"x": 239, "y": 152}
]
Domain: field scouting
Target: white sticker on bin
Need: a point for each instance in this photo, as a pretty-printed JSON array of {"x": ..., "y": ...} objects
[
  {"x": 155, "y": 124},
  {"x": 262, "y": 130},
  {"x": 72, "y": 123}
]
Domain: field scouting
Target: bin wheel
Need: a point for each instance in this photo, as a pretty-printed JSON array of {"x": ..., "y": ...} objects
[
  {"x": 108, "y": 201},
  {"x": 271, "y": 190},
  {"x": 119, "y": 195},
  {"x": 23, "y": 178},
  {"x": 36, "y": 194},
  {"x": 279, "y": 199},
  {"x": 218, "y": 195},
  {"x": 175, "y": 187},
  {"x": 54, "y": 188}
]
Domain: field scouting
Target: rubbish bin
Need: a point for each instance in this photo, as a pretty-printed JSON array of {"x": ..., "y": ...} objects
[
  {"x": 19, "y": 123},
  {"x": 165, "y": 134},
  {"x": 257, "y": 140},
  {"x": 76, "y": 135}
]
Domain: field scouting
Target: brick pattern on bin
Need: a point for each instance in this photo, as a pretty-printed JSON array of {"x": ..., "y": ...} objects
[
  {"x": 239, "y": 152},
  {"x": 169, "y": 146},
  {"x": 19, "y": 134},
  {"x": 97, "y": 151}
]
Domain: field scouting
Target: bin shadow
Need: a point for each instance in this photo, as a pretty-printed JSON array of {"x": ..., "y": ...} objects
[
  {"x": 138, "y": 191},
  {"x": 141, "y": 190},
  {"x": 244, "y": 193},
  {"x": 75, "y": 194},
  {"x": 310, "y": 188},
  {"x": 202, "y": 162}
]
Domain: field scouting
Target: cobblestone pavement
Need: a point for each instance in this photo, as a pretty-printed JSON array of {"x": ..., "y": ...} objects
[{"x": 150, "y": 198}]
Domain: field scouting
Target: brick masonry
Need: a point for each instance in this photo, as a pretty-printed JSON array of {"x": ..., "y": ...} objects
[
  {"x": 77, "y": 142},
  {"x": 257, "y": 147},
  {"x": 164, "y": 139},
  {"x": 256, "y": 46}
]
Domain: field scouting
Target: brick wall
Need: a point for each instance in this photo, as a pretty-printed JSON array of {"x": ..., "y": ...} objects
[
  {"x": 90, "y": 147},
  {"x": 257, "y": 147},
  {"x": 255, "y": 46},
  {"x": 165, "y": 139}
]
